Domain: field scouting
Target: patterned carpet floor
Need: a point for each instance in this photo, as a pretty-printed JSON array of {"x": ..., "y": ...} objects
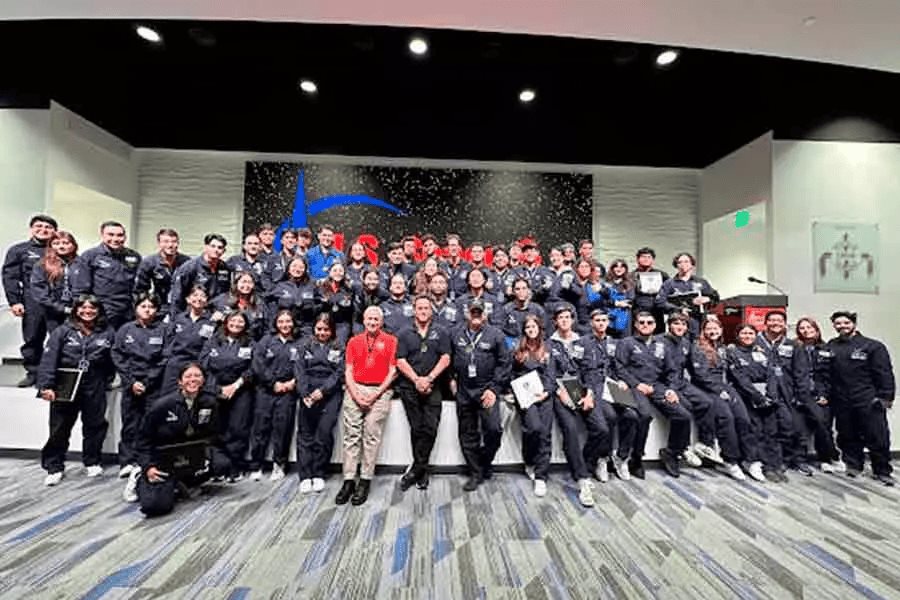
[{"x": 702, "y": 536}]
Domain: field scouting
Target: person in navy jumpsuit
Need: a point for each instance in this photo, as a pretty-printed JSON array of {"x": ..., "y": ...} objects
[
  {"x": 226, "y": 359},
  {"x": 51, "y": 279},
  {"x": 298, "y": 293},
  {"x": 319, "y": 372},
  {"x": 337, "y": 300},
  {"x": 83, "y": 342},
  {"x": 185, "y": 336},
  {"x": 138, "y": 357},
  {"x": 208, "y": 271},
  {"x": 156, "y": 272}
]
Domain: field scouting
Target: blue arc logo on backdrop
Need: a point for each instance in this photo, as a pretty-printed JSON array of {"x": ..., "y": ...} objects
[{"x": 302, "y": 212}]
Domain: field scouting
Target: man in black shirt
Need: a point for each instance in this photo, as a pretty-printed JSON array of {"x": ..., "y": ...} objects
[
  {"x": 423, "y": 354},
  {"x": 861, "y": 389}
]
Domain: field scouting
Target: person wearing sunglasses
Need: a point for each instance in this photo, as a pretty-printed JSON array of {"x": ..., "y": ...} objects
[{"x": 641, "y": 361}]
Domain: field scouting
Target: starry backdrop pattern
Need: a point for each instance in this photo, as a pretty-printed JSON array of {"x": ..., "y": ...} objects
[{"x": 494, "y": 207}]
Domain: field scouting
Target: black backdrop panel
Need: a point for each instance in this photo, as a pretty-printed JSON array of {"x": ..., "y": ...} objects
[{"x": 494, "y": 207}]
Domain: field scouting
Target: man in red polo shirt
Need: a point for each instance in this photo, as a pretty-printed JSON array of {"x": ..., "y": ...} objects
[{"x": 371, "y": 367}]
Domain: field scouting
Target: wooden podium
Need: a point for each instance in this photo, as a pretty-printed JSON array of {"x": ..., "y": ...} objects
[{"x": 746, "y": 308}]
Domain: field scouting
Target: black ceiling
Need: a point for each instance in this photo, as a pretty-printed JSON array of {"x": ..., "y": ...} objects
[{"x": 234, "y": 86}]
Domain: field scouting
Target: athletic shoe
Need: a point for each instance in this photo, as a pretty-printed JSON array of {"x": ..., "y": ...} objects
[
  {"x": 256, "y": 475},
  {"x": 707, "y": 453},
  {"x": 602, "y": 471},
  {"x": 835, "y": 466},
  {"x": 277, "y": 473},
  {"x": 586, "y": 492},
  {"x": 803, "y": 468},
  {"x": 129, "y": 494},
  {"x": 637, "y": 468},
  {"x": 94, "y": 471},
  {"x": 306, "y": 486},
  {"x": 691, "y": 458},
  {"x": 407, "y": 481},
  {"x": 53, "y": 478},
  {"x": 853, "y": 473},
  {"x": 669, "y": 462},
  {"x": 885, "y": 479},
  {"x": 529, "y": 471},
  {"x": 621, "y": 467},
  {"x": 540, "y": 488},
  {"x": 235, "y": 477},
  {"x": 318, "y": 484},
  {"x": 755, "y": 471},
  {"x": 126, "y": 470},
  {"x": 733, "y": 471}
]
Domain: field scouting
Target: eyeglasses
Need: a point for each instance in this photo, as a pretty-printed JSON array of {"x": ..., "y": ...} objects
[{"x": 646, "y": 322}]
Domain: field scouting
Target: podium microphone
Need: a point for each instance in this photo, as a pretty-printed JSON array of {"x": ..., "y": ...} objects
[{"x": 753, "y": 279}]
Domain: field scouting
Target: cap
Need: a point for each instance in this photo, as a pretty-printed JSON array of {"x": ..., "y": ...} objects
[
  {"x": 563, "y": 307},
  {"x": 476, "y": 305}
]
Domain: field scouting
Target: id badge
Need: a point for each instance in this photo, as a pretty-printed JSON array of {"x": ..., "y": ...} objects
[
  {"x": 778, "y": 371},
  {"x": 473, "y": 372}
]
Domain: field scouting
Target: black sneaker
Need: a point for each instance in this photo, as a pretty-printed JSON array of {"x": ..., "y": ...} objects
[
  {"x": 422, "y": 483},
  {"x": 885, "y": 479},
  {"x": 636, "y": 469},
  {"x": 362, "y": 492},
  {"x": 28, "y": 381},
  {"x": 343, "y": 496},
  {"x": 853, "y": 473},
  {"x": 472, "y": 484},
  {"x": 669, "y": 462},
  {"x": 803, "y": 468},
  {"x": 407, "y": 481}
]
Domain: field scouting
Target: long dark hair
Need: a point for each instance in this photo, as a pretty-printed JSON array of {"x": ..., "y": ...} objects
[
  {"x": 626, "y": 283},
  {"x": 244, "y": 336},
  {"x": 706, "y": 345},
  {"x": 234, "y": 296},
  {"x": 305, "y": 277},
  {"x": 77, "y": 323},
  {"x": 52, "y": 263},
  {"x": 526, "y": 347}
]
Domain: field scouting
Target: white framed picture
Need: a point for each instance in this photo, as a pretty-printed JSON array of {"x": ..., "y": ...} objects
[{"x": 846, "y": 257}]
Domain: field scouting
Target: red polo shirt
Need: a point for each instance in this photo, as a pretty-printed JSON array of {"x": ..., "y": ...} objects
[{"x": 371, "y": 358}]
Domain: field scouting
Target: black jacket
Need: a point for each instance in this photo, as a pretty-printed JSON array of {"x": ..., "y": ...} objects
[
  {"x": 67, "y": 347},
  {"x": 109, "y": 276},
  {"x": 319, "y": 366},
  {"x": 168, "y": 420},
  {"x": 55, "y": 298},
  {"x": 138, "y": 353},
  {"x": 155, "y": 275},
  {"x": 860, "y": 371},
  {"x": 20, "y": 259},
  {"x": 196, "y": 272}
]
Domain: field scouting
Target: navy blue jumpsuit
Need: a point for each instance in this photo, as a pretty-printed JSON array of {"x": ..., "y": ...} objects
[
  {"x": 109, "y": 275},
  {"x": 320, "y": 366},
  {"x": 274, "y": 360}
]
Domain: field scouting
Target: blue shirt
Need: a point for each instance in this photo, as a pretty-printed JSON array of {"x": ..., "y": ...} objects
[{"x": 320, "y": 263}]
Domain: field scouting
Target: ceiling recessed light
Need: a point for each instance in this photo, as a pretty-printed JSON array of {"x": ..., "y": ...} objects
[
  {"x": 151, "y": 35},
  {"x": 667, "y": 57},
  {"x": 526, "y": 95},
  {"x": 809, "y": 21},
  {"x": 308, "y": 86},
  {"x": 418, "y": 46}
]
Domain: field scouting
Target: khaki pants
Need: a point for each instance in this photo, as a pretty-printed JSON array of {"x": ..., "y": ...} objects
[{"x": 363, "y": 431}]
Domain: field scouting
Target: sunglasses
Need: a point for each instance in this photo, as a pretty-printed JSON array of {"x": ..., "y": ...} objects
[{"x": 646, "y": 322}]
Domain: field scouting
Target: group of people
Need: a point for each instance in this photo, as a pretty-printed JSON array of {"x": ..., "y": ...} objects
[{"x": 231, "y": 353}]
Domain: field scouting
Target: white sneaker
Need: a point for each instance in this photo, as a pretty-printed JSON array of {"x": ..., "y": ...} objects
[
  {"x": 318, "y": 484},
  {"x": 733, "y": 471},
  {"x": 621, "y": 467},
  {"x": 540, "y": 488},
  {"x": 602, "y": 471},
  {"x": 277, "y": 473},
  {"x": 94, "y": 471},
  {"x": 691, "y": 458},
  {"x": 129, "y": 494},
  {"x": 586, "y": 492},
  {"x": 529, "y": 471},
  {"x": 755, "y": 471},
  {"x": 306, "y": 486},
  {"x": 256, "y": 475},
  {"x": 707, "y": 453},
  {"x": 125, "y": 471},
  {"x": 835, "y": 466},
  {"x": 53, "y": 478}
]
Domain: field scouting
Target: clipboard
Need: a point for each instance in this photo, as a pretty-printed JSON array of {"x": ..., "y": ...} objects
[
  {"x": 613, "y": 395},
  {"x": 68, "y": 380},
  {"x": 684, "y": 299},
  {"x": 525, "y": 388},
  {"x": 649, "y": 282},
  {"x": 574, "y": 389}
]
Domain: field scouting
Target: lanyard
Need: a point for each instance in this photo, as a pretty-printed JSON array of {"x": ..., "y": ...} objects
[{"x": 473, "y": 343}]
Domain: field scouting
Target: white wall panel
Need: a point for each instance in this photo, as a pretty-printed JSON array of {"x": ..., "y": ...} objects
[{"x": 641, "y": 206}]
